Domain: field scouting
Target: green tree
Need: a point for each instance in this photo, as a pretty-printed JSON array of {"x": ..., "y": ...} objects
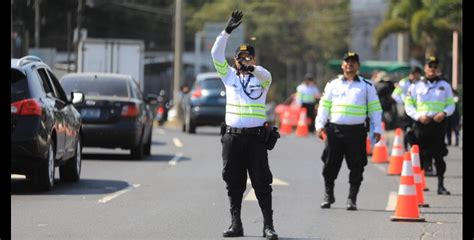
[{"x": 429, "y": 24}]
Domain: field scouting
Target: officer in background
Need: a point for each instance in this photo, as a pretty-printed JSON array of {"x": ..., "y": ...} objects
[
  {"x": 307, "y": 95},
  {"x": 429, "y": 102},
  {"x": 346, "y": 103},
  {"x": 399, "y": 95},
  {"x": 246, "y": 86}
]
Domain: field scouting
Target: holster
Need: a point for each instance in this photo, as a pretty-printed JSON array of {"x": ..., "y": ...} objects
[
  {"x": 367, "y": 124},
  {"x": 270, "y": 136},
  {"x": 223, "y": 127}
]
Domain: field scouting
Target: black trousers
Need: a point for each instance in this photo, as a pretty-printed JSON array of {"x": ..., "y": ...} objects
[
  {"x": 430, "y": 138},
  {"x": 310, "y": 113},
  {"x": 242, "y": 154},
  {"x": 345, "y": 141}
]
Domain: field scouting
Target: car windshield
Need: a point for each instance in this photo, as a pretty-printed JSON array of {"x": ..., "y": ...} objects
[
  {"x": 97, "y": 86},
  {"x": 19, "y": 86},
  {"x": 212, "y": 83}
]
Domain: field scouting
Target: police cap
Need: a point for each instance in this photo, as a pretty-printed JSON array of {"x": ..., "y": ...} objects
[
  {"x": 245, "y": 48},
  {"x": 351, "y": 55},
  {"x": 432, "y": 59}
]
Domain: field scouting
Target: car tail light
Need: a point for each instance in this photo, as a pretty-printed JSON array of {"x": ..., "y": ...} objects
[
  {"x": 130, "y": 110},
  {"x": 27, "y": 107},
  {"x": 197, "y": 93}
]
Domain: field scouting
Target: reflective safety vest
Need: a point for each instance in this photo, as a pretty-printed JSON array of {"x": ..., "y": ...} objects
[
  {"x": 348, "y": 102},
  {"x": 429, "y": 98},
  {"x": 306, "y": 93},
  {"x": 245, "y": 93}
]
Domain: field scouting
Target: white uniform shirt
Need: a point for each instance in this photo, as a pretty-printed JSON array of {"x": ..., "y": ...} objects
[
  {"x": 400, "y": 92},
  {"x": 241, "y": 110},
  {"x": 306, "y": 93},
  {"x": 347, "y": 103},
  {"x": 429, "y": 98}
]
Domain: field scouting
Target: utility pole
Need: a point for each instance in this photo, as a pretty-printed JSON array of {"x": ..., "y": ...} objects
[
  {"x": 68, "y": 42},
  {"x": 37, "y": 23},
  {"x": 78, "y": 29},
  {"x": 178, "y": 51},
  {"x": 455, "y": 60}
]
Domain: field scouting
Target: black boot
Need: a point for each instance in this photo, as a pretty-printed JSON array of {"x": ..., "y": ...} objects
[
  {"x": 352, "y": 199},
  {"x": 236, "y": 229},
  {"x": 328, "y": 196},
  {"x": 441, "y": 189},
  {"x": 268, "y": 229}
]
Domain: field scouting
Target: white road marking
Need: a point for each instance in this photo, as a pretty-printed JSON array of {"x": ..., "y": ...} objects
[
  {"x": 17, "y": 176},
  {"x": 175, "y": 159},
  {"x": 160, "y": 131},
  {"x": 251, "y": 195},
  {"x": 177, "y": 142},
  {"x": 392, "y": 201},
  {"x": 112, "y": 196}
]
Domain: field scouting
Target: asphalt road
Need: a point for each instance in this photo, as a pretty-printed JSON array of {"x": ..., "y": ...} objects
[{"x": 178, "y": 193}]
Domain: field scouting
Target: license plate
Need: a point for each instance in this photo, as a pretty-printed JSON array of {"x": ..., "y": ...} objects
[
  {"x": 90, "y": 113},
  {"x": 221, "y": 100}
]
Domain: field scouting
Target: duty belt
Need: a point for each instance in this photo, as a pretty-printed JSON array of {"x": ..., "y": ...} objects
[{"x": 245, "y": 131}]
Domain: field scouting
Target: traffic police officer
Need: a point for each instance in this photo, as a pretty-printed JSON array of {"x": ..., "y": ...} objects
[
  {"x": 429, "y": 102},
  {"x": 306, "y": 96},
  {"x": 242, "y": 149},
  {"x": 346, "y": 103},
  {"x": 399, "y": 95}
]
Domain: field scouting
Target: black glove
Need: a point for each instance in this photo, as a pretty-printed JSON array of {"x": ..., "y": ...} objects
[
  {"x": 246, "y": 68},
  {"x": 234, "y": 21}
]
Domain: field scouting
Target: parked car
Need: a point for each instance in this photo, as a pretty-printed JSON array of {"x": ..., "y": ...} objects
[
  {"x": 205, "y": 104},
  {"x": 45, "y": 126},
  {"x": 115, "y": 114}
]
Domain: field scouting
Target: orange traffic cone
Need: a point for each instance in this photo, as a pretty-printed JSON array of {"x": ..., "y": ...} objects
[
  {"x": 407, "y": 202},
  {"x": 285, "y": 126},
  {"x": 415, "y": 161},
  {"x": 396, "y": 160},
  {"x": 368, "y": 148},
  {"x": 379, "y": 154},
  {"x": 302, "y": 127}
]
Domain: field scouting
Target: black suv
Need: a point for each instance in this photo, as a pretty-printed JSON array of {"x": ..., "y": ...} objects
[{"x": 45, "y": 126}]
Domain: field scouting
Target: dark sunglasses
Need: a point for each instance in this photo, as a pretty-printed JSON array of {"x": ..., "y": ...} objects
[{"x": 433, "y": 65}]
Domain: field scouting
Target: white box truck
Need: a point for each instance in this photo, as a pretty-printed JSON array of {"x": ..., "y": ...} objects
[{"x": 108, "y": 55}]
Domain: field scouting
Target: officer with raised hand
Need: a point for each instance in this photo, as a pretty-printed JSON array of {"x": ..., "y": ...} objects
[
  {"x": 243, "y": 150},
  {"x": 429, "y": 101},
  {"x": 346, "y": 103}
]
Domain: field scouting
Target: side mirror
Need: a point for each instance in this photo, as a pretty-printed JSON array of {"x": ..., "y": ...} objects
[
  {"x": 152, "y": 98},
  {"x": 77, "y": 97}
]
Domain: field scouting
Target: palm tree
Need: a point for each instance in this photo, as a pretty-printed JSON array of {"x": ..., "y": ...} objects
[{"x": 429, "y": 23}]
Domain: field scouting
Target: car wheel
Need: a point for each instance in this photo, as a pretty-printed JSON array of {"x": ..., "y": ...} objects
[
  {"x": 71, "y": 171},
  {"x": 43, "y": 177},
  {"x": 137, "y": 152},
  {"x": 147, "y": 147}
]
